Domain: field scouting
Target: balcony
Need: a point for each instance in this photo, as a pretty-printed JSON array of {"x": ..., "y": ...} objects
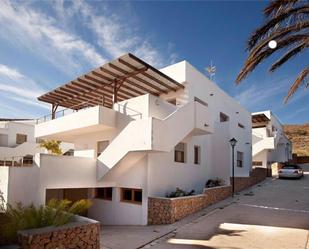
[{"x": 66, "y": 127}]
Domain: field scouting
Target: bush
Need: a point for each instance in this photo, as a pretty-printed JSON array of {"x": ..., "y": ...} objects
[
  {"x": 52, "y": 146},
  {"x": 2, "y": 202},
  {"x": 214, "y": 183},
  {"x": 179, "y": 193},
  {"x": 55, "y": 213}
]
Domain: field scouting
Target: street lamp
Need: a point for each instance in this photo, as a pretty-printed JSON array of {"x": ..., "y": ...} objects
[{"x": 233, "y": 142}]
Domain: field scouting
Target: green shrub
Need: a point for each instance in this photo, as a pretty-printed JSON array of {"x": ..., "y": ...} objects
[
  {"x": 52, "y": 146},
  {"x": 180, "y": 193},
  {"x": 2, "y": 202},
  {"x": 55, "y": 213},
  {"x": 214, "y": 183}
]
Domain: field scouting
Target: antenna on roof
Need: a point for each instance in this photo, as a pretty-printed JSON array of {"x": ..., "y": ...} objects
[{"x": 211, "y": 71}]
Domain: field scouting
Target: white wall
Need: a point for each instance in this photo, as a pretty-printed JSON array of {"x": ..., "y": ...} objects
[
  {"x": 19, "y": 184},
  {"x": 14, "y": 127}
]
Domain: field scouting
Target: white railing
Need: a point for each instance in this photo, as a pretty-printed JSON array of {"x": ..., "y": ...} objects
[
  {"x": 57, "y": 114},
  {"x": 17, "y": 161},
  {"x": 125, "y": 109}
]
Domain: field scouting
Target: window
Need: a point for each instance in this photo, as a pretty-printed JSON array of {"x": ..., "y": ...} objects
[
  {"x": 131, "y": 195},
  {"x": 197, "y": 154},
  {"x": 180, "y": 153},
  {"x": 224, "y": 117},
  {"x": 21, "y": 138},
  {"x": 101, "y": 146},
  {"x": 257, "y": 163},
  {"x": 241, "y": 125},
  {"x": 240, "y": 158},
  {"x": 172, "y": 101},
  {"x": 104, "y": 193}
]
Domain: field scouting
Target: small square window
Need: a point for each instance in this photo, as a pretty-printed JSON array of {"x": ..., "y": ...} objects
[
  {"x": 224, "y": 117},
  {"x": 127, "y": 194},
  {"x": 104, "y": 193},
  {"x": 138, "y": 195},
  {"x": 21, "y": 138},
  {"x": 134, "y": 196}
]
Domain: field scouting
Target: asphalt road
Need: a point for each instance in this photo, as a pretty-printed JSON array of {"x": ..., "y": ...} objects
[{"x": 272, "y": 215}]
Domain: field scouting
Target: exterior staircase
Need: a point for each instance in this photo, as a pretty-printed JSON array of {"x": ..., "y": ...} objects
[{"x": 152, "y": 134}]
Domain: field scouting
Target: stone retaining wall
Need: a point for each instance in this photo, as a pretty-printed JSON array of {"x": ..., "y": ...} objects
[
  {"x": 169, "y": 210},
  {"x": 257, "y": 175},
  {"x": 82, "y": 233}
]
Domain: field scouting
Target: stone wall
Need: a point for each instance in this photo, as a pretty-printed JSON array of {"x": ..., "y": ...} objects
[
  {"x": 169, "y": 210},
  {"x": 257, "y": 175},
  {"x": 81, "y": 233}
]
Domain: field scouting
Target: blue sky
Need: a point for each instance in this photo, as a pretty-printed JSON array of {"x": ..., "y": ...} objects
[{"x": 44, "y": 44}]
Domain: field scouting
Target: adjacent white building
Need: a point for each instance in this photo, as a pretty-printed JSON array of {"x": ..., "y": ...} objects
[
  {"x": 270, "y": 144},
  {"x": 139, "y": 132},
  {"x": 17, "y": 142}
]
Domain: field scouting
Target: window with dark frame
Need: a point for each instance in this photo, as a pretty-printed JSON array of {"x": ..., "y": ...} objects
[
  {"x": 197, "y": 154},
  {"x": 21, "y": 138},
  {"x": 134, "y": 196},
  {"x": 240, "y": 158},
  {"x": 180, "y": 153},
  {"x": 224, "y": 117},
  {"x": 104, "y": 193}
]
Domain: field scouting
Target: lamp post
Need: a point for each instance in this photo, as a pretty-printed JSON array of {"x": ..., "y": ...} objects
[{"x": 233, "y": 142}]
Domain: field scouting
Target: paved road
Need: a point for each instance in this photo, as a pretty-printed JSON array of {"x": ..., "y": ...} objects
[{"x": 274, "y": 215}]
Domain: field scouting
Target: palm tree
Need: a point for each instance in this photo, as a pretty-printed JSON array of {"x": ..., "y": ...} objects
[{"x": 286, "y": 23}]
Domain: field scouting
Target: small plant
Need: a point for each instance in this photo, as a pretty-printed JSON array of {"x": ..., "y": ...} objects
[
  {"x": 214, "y": 183},
  {"x": 52, "y": 146},
  {"x": 55, "y": 213},
  {"x": 2, "y": 202},
  {"x": 180, "y": 193}
]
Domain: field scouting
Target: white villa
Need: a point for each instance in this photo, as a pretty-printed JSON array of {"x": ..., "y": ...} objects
[
  {"x": 17, "y": 142},
  {"x": 138, "y": 132},
  {"x": 270, "y": 144}
]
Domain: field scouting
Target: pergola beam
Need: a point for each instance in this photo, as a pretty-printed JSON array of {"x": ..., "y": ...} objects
[{"x": 124, "y": 78}]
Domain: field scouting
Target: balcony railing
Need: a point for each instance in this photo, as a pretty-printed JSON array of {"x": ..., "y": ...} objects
[
  {"x": 57, "y": 114},
  {"x": 121, "y": 108},
  {"x": 17, "y": 161}
]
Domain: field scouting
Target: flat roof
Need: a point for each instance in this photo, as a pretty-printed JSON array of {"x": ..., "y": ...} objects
[
  {"x": 259, "y": 118},
  {"x": 123, "y": 78}
]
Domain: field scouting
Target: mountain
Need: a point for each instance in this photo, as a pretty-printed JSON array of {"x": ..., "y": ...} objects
[{"x": 299, "y": 135}]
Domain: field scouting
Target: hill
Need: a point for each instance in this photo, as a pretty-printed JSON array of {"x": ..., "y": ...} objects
[{"x": 299, "y": 135}]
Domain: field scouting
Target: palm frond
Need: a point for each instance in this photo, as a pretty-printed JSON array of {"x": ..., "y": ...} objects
[
  {"x": 276, "y": 6},
  {"x": 301, "y": 77},
  {"x": 289, "y": 30},
  {"x": 262, "y": 31},
  {"x": 255, "y": 58},
  {"x": 293, "y": 52}
]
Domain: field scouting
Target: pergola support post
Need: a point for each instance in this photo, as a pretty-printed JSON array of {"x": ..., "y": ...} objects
[
  {"x": 115, "y": 93},
  {"x": 54, "y": 109}
]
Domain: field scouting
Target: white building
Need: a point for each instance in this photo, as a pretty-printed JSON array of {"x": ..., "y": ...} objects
[
  {"x": 139, "y": 132},
  {"x": 270, "y": 144},
  {"x": 17, "y": 142}
]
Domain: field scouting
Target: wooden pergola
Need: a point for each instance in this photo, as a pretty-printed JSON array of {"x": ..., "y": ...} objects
[
  {"x": 123, "y": 78},
  {"x": 259, "y": 118}
]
